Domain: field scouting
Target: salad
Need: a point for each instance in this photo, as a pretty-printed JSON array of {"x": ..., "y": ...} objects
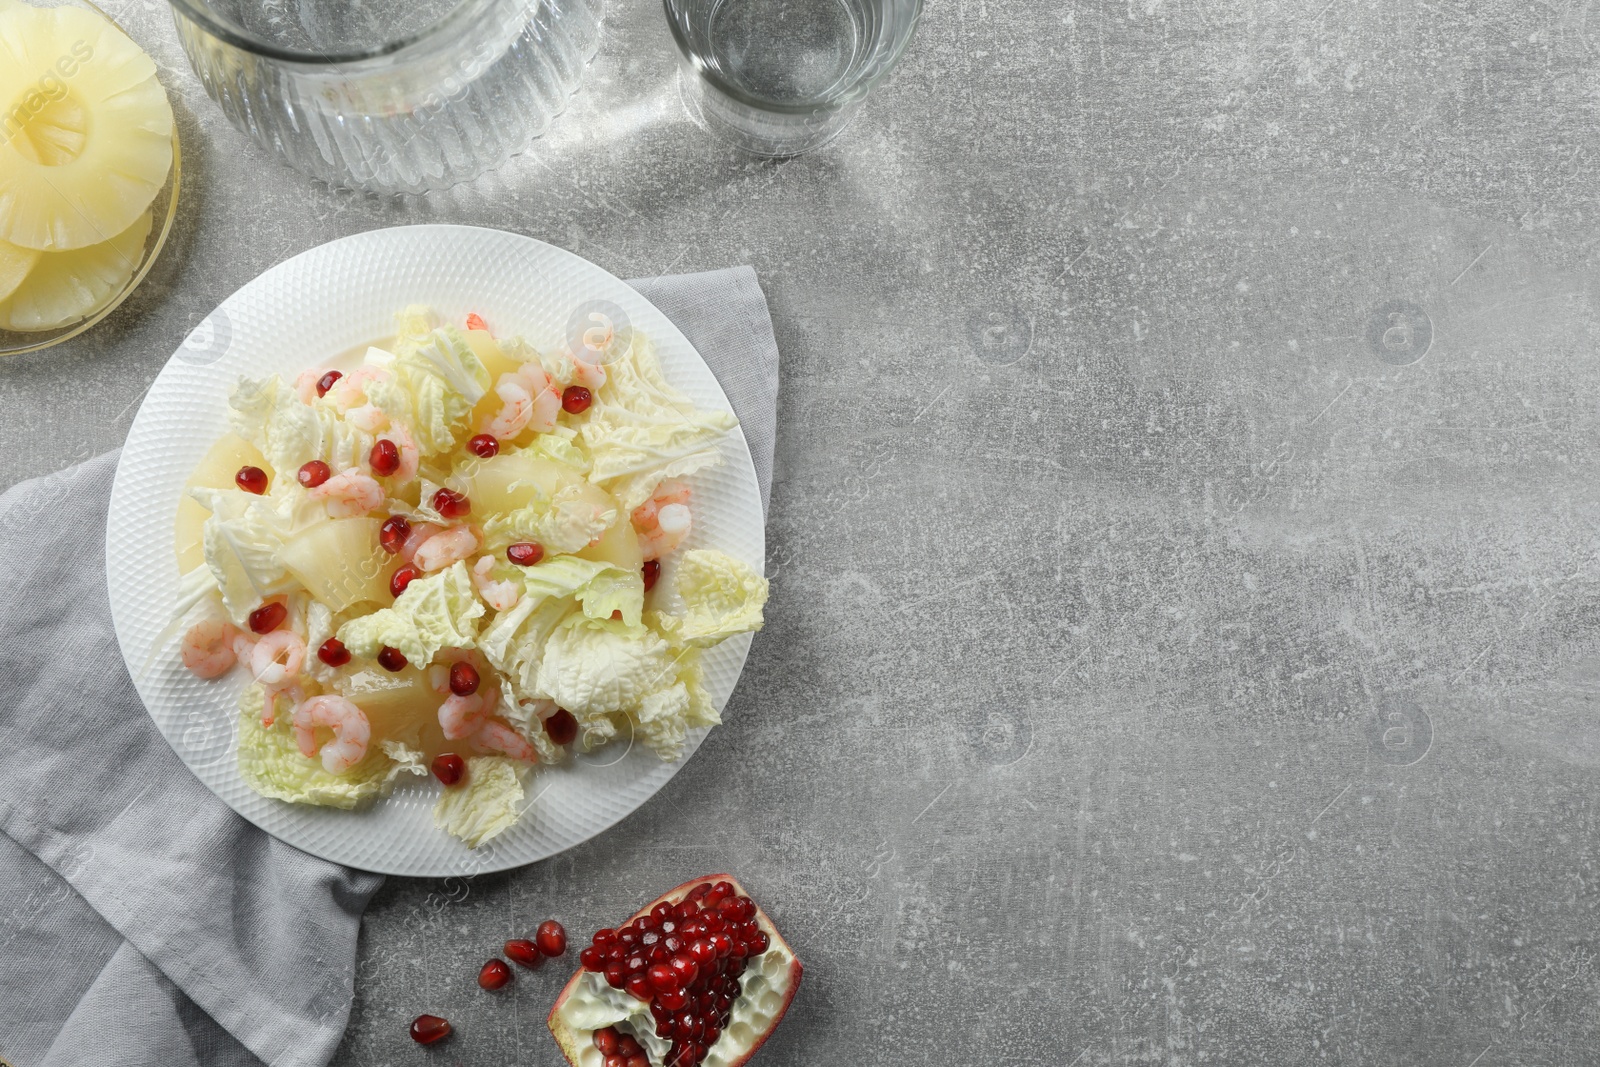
[{"x": 459, "y": 557}]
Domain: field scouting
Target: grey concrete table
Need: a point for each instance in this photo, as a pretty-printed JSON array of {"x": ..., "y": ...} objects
[{"x": 1185, "y": 643}]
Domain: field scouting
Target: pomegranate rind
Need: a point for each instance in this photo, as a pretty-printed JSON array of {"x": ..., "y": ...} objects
[{"x": 575, "y": 1042}]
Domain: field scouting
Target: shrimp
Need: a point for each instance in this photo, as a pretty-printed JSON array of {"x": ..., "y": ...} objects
[
  {"x": 278, "y": 657},
  {"x": 410, "y": 455},
  {"x": 351, "y": 731},
  {"x": 501, "y": 596},
  {"x": 589, "y": 375},
  {"x": 461, "y": 717},
  {"x": 496, "y": 736},
  {"x": 349, "y": 494},
  {"x": 443, "y": 549},
  {"x": 209, "y": 648},
  {"x": 305, "y": 386},
  {"x": 270, "y": 695},
  {"x": 419, "y": 535},
  {"x": 516, "y": 410},
  {"x": 351, "y": 391},
  {"x": 663, "y": 521},
  {"x": 546, "y": 397},
  {"x": 368, "y": 418}
]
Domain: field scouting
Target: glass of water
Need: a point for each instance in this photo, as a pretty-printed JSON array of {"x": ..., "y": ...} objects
[
  {"x": 781, "y": 77},
  {"x": 390, "y": 95}
]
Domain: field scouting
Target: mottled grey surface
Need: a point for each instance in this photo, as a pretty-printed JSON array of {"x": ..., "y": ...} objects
[{"x": 1159, "y": 668}]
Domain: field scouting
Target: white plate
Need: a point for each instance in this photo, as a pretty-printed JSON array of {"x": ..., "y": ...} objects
[{"x": 329, "y": 301}]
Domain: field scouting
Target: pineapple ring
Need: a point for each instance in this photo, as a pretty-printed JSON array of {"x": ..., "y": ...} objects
[
  {"x": 15, "y": 261},
  {"x": 67, "y": 287},
  {"x": 85, "y": 129}
]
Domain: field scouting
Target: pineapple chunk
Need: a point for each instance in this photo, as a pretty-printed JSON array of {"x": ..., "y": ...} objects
[
  {"x": 215, "y": 471},
  {"x": 86, "y": 135},
  {"x": 15, "y": 263},
  {"x": 341, "y": 563},
  {"x": 619, "y": 545},
  {"x": 399, "y": 707},
  {"x": 67, "y": 287},
  {"x": 511, "y": 480},
  {"x": 496, "y": 361}
]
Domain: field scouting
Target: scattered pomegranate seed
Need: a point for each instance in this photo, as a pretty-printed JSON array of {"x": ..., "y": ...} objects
[
  {"x": 525, "y": 553},
  {"x": 333, "y": 652},
  {"x": 484, "y": 446},
  {"x": 652, "y": 573},
  {"x": 314, "y": 473},
  {"x": 464, "y": 680},
  {"x": 384, "y": 458},
  {"x": 575, "y": 399},
  {"x": 391, "y": 659},
  {"x": 426, "y": 1029},
  {"x": 403, "y": 577},
  {"x": 606, "y": 1039},
  {"x": 552, "y": 938},
  {"x": 267, "y": 618},
  {"x": 449, "y": 767},
  {"x": 393, "y": 533},
  {"x": 616, "y": 616},
  {"x": 496, "y": 974},
  {"x": 475, "y": 322},
  {"x": 251, "y": 480},
  {"x": 524, "y": 952},
  {"x": 562, "y": 727},
  {"x": 327, "y": 381}
]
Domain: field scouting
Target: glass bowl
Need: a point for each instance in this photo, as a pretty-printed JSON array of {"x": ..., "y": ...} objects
[{"x": 164, "y": 208}]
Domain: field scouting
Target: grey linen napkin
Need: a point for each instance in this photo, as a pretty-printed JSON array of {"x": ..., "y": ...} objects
[{"x": 142, "y": 922}]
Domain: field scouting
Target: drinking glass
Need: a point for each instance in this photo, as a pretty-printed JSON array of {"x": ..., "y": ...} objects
[
  {"x": 390, "y": 95},
  {"x": 781, "y": 77}
]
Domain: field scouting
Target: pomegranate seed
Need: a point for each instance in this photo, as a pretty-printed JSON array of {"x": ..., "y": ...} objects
[
  {"x": 604, "y": 936},
  {"x": 665, "y": 979},
  {"x": 426, "y": 1029},
  {"x": 616, "y": 974},
  {"x": 484, "y": 446},
  {"x": 552, "y": 938},
  {"x": 562, "y": 727},
  {"x": 251, "y": 480},
  {"x": 605, "y": 1039},
  {"x": 614, "y": 1061},
  {"x": 524, "y": 952},
  {"x": 635, "y": 964},
  {"x": 391, "y": 659},
  {"x": 627, "y": 1046},
  {"x": 525, "y": 553},
  {"x": 712, "y": 1032},
  {"x": 575, "y": 399},
  {"x": 496, "y": 974},
  {"x": 638, "y": 1059},
  {"x": 639, "y": 986},
  {"x": 451, "y": 504},
  {"x": 327, "y": 381},
  {"x": 703, "y": 951},
  {"x": 314, "y": 473},
  {"x": 590, "y": 959},
  {"x": 333, "y": 652},
  {"x": 760, "y": 943},
  {"x": 475, "y": 322},
  {"x": 384, "y": 458},
  {"x": 449, "y": 768},
  {"x": 464, "y": 680},
  {"x": 661, "y": 912},
  {"x": 401, "y": 578},
  {"x": 267, "y": 618},
  {"x": 393, "y": 533},
  {"x": 685, "y": 908},
  {"x": 722, "y": 943},
  {"x": 671, "y": 999},
  {"x": 685, "y": 968},
  {"x": 722, "y": 889}
]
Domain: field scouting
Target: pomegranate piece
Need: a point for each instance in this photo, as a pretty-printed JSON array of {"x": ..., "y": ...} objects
[
  {"x": 449, "y": 768},
  {"x": 391, "y": 659},
  {"x": 313, "y": 474},
  {"x": 251, "y": 480},
  {"x": 683, "y": 956},
  {"x": 484, "y": 446},
  {"x": 267, "y": 618},
  {"x": 393, "y": 533},
  {"x": 524, "y": 952},
  {"x": 326, "y": 382},
  {"x": 562, "y": 727},
  {"x": 525, "y": 553},
  {"x": 551, "y": 937},
  {"x": 333, "y": 652},
  {"x": 426, "y": 1029},
  {"x": 496, "y": 974},
  {"x": 449, "y": 503},
  {"x": 401, "y": 578},
  {"x": 464, "y": 680},
  {"x": 384, "y": 458},
  {"x": 575, "y": 399},
  {"x": 651, "y": 572}
]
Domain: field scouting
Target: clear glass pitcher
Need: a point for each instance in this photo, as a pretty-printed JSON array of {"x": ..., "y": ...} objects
[{"x": 390, "y": 95}]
